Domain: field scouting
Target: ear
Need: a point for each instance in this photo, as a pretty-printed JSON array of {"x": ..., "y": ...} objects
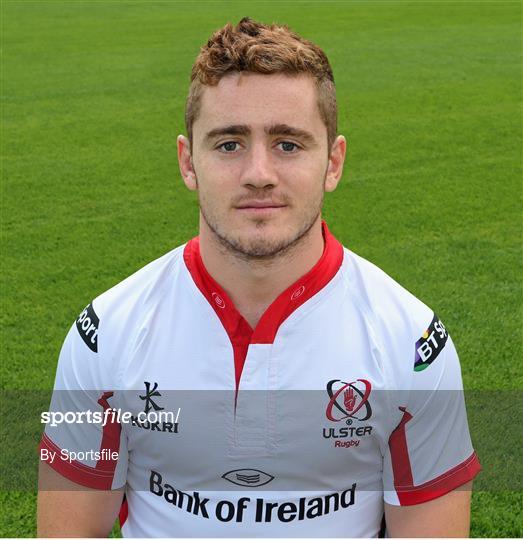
[
  {"x": 336, "y": 160},
  {"x": 185, "y": 163}
]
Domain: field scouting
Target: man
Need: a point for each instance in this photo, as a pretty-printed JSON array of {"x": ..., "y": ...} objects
[{"x": 314, "y": 394}]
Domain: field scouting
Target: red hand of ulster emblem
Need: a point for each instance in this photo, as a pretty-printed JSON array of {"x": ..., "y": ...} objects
[{"x": 349, "y": 399}]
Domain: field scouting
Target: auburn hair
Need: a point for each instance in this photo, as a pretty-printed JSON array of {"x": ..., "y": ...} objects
[{"x": 253, "y": 47}]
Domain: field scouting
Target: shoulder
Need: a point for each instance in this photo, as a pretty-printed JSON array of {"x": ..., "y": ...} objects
[
  {"x": 389, "y": 301},
  {"x": 115, "y": 311},
  {"x": 144, "y": 284},
  {"x": 405, "y": 328},
  {"x": 90, "y": 357}
]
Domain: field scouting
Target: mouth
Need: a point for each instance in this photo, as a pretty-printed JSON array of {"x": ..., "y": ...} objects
[
  {"x": 260, "y": 207},
  {"x": 260, "y": 204}
]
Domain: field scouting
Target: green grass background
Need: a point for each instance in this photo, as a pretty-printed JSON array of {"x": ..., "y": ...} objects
[{"x": 430, "y": 101}]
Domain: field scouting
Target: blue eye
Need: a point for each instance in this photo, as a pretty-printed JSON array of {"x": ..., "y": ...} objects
[
  {"x": 229, "y": 146},
  {"x": 288, "y": 147}
]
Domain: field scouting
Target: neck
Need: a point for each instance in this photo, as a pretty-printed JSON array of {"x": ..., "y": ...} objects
[{"x": 253, "y": 284}]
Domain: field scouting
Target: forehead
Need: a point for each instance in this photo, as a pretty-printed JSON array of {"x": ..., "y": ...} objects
[{"x": 260, "y": 100}]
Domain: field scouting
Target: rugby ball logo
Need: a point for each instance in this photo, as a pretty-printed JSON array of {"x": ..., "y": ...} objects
[{"x": 248, "y": 477}]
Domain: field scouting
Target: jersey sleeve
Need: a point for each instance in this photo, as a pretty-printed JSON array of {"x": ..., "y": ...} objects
[
  {"x": 83, "y": 439},
  {"x": 430, "y": 451}
]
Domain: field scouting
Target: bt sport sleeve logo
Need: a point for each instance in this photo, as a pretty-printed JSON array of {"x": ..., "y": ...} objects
[
  {"x": 87, "y": 325},
  {"x": 430, "y": 344}
]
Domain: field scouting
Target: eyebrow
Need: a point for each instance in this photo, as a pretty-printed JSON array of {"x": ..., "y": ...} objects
[
  {"x": 236, "y": 129},
  {"x": 276, "y": 129},
  {"x": 289, "y": 131}
]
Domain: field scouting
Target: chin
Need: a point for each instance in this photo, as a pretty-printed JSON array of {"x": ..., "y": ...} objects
[
  {"x": 262, "y": 245},
  {"x": 262, "y": 238}
]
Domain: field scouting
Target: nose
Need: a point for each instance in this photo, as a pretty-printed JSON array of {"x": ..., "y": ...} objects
[{"x": 259, "y": 171}]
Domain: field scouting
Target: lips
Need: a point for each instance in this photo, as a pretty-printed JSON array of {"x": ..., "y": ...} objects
[{"x": 259, "y": 205}]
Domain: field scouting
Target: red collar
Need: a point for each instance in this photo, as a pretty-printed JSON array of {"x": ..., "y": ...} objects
[{"x": 239, "y": 331}]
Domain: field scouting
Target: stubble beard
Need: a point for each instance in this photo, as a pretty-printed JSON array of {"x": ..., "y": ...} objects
[{"x": 260, "y": 248}]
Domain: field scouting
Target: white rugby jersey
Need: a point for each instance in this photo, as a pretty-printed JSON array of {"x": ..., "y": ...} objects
[{"x": 348, "y": 393}]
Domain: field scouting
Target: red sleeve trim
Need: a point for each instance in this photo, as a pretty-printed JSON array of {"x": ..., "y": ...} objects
[
  {"x": 399, "y": 453},
  {"x": 74, "y": 470},
  {"x": 447, "y": 482},
  {"x": 408, "y": 493},
  {"x": 101, "y": 475}
]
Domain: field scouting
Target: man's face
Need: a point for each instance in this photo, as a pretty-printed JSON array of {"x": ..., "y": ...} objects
[{"x": 260, "y": 160}]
